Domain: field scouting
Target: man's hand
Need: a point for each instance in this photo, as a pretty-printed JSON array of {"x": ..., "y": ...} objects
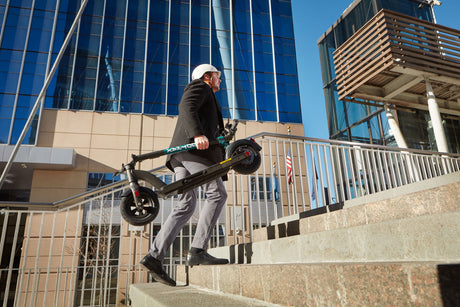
[{"x": 201, "y": 142}]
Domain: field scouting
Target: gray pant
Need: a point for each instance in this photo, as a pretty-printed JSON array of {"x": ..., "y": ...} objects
[{"x": 185, "y": 164}]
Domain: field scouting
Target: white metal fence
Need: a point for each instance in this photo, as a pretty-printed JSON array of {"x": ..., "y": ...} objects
[{"x": 80, "y": 252}]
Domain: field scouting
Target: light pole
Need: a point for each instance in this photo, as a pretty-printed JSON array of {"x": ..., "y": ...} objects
[{"x": 431, "y": 3}]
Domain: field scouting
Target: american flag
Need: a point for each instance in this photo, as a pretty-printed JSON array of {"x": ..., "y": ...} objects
[{"x": 289, "y": 167}]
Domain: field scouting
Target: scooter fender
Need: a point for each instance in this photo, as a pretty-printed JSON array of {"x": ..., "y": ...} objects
[
  {"x": 150, "y": 178},
  {"x": 255, "y": 145},
  {"x": 126, "y": 192}
]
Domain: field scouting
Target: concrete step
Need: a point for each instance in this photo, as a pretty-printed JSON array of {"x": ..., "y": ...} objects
[
  {"x": 416, "y": 223},
  {"x": 334, "y": 284},
  {"x": 394, "y": 248},
  {"x": 159, "y": 295}
]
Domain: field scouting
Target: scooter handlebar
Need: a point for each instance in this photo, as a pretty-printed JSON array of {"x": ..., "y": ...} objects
[{"x": 230, "y": 130}]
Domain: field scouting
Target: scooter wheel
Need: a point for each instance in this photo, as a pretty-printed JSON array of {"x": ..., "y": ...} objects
[
  {"x": 148, "y": 210},
  {"x": 249, "y": 165}
]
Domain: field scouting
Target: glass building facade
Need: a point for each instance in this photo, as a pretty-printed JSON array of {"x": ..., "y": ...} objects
[
  {"x": 366, "y": 121},
  {"x": 136, "y": 56}
]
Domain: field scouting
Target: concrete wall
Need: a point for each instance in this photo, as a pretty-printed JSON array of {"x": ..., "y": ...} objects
[{"x": 418, "y": 222}]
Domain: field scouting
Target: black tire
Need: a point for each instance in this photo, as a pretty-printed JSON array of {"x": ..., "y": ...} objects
[
  {"x": 251, "y": 164},
  {"x": 146, "y": 214}
]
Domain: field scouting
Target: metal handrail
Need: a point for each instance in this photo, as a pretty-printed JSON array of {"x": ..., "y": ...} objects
[
  {"x": 353, "y": 144},
  {"x": 70, "y": 201},
  {"x": 65, "y": 203}
]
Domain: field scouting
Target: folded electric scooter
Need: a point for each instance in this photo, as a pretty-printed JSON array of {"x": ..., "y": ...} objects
[{"x": 140, "y": 205}]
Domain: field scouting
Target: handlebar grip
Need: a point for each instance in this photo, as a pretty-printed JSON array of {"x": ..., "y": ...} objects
[{"x": 149, "y": 155}]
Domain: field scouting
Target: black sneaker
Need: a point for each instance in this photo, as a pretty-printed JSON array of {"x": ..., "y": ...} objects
[
  {"x": 203, "y": 258},
  {"x": 155, "y": 267}
]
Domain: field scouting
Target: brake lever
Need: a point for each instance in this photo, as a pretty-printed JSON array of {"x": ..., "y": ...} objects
[{"x": 116, "y": 173}]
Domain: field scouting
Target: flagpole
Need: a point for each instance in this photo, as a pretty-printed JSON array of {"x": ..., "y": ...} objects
[
  {"x": 274, "y": 190},
  {"x": 294, "y": 196}
]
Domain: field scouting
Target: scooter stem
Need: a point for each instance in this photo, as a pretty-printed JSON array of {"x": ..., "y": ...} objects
[{"x": 221, "y": 140}]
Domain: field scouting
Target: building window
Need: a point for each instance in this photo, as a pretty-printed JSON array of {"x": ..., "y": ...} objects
[{"x": 264, "y": 192}]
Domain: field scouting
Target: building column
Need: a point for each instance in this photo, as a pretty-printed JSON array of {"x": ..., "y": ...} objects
[
  {"x": 401, "y": 142},
  {"x": 395, "y": 128},
  {"x": 436, "y": 121},
  {"x": 226, "y": 54}
]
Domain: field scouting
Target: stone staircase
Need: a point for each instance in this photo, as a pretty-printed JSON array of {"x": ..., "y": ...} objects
[{"x": 395, "y": 248}]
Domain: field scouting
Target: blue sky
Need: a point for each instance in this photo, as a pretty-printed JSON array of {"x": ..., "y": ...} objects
[{"x": 311, "y": 20}]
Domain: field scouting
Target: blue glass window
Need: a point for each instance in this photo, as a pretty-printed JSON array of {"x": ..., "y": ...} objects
[
  {"x": 33, "y": 76},
  {"x": 24, "y": 106},
  {"x": 6, "y": 113},
  {"x": 178, "y": 50},
  {"x": 178, "y": 79},
  {"x": 63, "y": 25},
  {"x": 84, "y": 82},
  {"x": 155, "y": 89},
  {"x": 261, "y": 18},
  {"x": 112, "y": 40},
  {"x": 264, "y": 188},
  {"x": 199, "y": 46},
  {"x": 115, "y": 9},
  {"x": 86, "y": 63},
  {"x": 243, "y": 51},
  {"x": 61, "y": 84},
  {"x": 282, "y": 18},
  {"x": 132, "y": 87},
  {"x": 411, "y": 8},
  {"x": 157, "y": 45},
  {"x": 108, "y": 84},
  {"x": 104, "y": 66},
  {"x": 21, "y": 3},
  {"x": 200, "y": 14},
  {"x": 10, "y": 65},
  {"x": 70, "y": 6},
  {"x": 40, "y": 32},
  {"x": 133, "y": 65},
  {"x": 244, "y": 95},
  {"x": 179, "y": 12},
  {"x": 135, "y": 40},
  {"x": 241, "y": 15},
  {"x": 225, "y": 100},
  {"x": 263, "y": 55},
  {"x": 97, "y": 180},
  {"x": 16, "y": 28},
  {"x": 49, "y": 5},
  {"x": 159, "y": 11}
]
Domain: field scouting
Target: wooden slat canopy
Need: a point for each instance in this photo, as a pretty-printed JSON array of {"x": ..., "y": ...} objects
[{"x": 390, "y": 57}]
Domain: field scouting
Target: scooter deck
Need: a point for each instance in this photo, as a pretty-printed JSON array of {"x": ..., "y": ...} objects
[{"x": 197, "y": 179}]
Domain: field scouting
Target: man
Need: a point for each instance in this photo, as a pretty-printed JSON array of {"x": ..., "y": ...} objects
[{"x": 200, "y": 120}]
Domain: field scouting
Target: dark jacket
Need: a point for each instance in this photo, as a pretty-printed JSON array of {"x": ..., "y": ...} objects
[{"x": 199, "y": 114}]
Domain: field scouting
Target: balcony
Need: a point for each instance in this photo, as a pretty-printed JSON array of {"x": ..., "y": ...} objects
[{"x": 390, "y": 59}]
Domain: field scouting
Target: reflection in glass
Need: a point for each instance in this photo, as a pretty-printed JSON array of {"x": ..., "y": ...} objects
[{"x": 137, "y": 56}]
